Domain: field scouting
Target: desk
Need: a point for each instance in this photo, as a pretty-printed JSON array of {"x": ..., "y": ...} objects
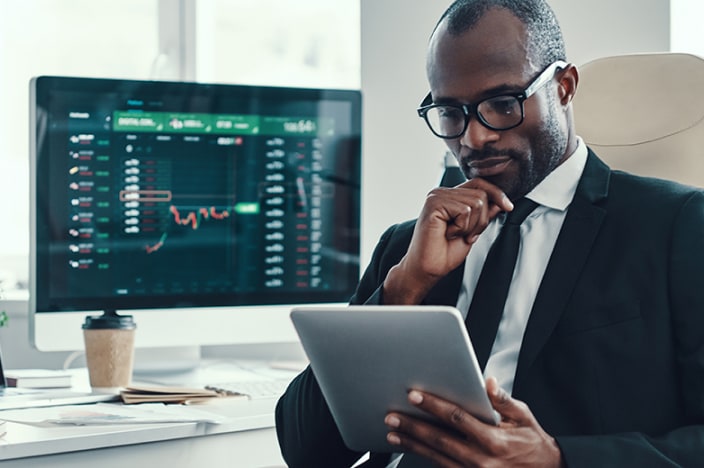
[{"x": 246, "y": 439}]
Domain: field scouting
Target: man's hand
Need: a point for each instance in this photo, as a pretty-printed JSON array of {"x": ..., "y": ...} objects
[
  {"x": 449, "y": 223},
  {"x": 518, "y": 441}
]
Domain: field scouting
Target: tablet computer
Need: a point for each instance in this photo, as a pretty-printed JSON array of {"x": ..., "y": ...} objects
[{"x": 366, "y": 358}]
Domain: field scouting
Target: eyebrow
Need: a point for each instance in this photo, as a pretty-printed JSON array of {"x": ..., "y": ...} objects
[{"x": 499, "y": 90}]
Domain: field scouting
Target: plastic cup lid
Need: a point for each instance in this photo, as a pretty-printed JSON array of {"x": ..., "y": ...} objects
[{"x": 109, "y": 320}]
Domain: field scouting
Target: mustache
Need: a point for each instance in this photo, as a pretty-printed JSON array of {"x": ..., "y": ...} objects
[{"x": 485, "y": 153}]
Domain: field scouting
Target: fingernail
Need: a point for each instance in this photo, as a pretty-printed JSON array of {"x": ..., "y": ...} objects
[
  {"x": 392, "y": 421},
  {"x": 510, "y": 203},
  {"x": 415, "y": 397},
  {"x": 393, "y": 439}
]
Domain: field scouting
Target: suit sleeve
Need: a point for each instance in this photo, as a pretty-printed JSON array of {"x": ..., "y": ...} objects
[
  {"x": 683, "y": 446},
  {"x": 307, "y": 434}
]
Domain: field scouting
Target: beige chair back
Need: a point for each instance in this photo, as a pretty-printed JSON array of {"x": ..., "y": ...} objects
[{"x": 644, "y": 113}]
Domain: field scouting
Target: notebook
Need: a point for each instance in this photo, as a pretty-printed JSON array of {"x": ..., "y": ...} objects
[
  {"x": 17, "y": 398},
  {"x": 366, "y": 358}
]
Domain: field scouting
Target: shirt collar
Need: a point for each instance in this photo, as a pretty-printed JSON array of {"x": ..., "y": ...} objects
[{"x": 558, "y": 188}]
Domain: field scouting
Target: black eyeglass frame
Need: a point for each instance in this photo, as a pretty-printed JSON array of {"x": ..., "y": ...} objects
[{"x": 471, "y": 109}]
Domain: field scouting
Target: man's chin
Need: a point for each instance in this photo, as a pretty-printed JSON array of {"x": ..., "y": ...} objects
[{"x": 507, "y": 183}]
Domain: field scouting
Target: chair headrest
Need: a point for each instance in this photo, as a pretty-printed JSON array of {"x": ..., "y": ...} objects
[
  {"x": 644, "y": 113},
  {"x": 634, "y": 99}
]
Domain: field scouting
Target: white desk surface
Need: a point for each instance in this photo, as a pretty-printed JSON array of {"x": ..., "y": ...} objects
[{"x": 245, "y": 438}]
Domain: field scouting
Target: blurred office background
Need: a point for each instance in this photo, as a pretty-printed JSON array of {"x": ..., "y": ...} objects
[{"x": 375, "y": 45}]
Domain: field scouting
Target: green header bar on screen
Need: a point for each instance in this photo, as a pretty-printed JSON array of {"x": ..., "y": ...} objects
[{"x": 219, "y": 124}]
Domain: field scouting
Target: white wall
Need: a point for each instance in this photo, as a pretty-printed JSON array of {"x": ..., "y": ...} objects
[
  {"x": 402, "y": 160},
  {"x": 611, "y": 27}
]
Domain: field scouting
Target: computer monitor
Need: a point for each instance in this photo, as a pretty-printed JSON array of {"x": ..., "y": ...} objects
[{"x": 206, "y": 211}]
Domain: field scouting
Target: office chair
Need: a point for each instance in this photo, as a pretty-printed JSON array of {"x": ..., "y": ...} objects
[
  {"x": 644, "y": 113},
  {"x": 452, "y": 174}
]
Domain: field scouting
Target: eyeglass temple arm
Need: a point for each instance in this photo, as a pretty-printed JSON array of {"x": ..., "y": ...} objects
[{"x": 545, "y": 76}]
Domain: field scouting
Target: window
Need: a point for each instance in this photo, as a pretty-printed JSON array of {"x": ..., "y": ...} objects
[
  {"x": 308, "y": 43},
  {"x": 312, "y": 43},
  {"x": 685, "y": 26}
]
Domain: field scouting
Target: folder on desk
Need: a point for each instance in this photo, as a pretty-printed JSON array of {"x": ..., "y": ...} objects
[{"x": 153, "y": 394}]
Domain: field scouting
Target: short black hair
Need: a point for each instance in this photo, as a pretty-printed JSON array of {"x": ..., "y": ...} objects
[{"x": 546, "y": 43}]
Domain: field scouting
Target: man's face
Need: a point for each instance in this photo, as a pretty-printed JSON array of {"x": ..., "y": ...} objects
[{"x": 489, "y": 60}]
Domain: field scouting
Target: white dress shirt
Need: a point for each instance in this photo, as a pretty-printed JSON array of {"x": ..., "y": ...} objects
[{"x": 538, "y": 236}]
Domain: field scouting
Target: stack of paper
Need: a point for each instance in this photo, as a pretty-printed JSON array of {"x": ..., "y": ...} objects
[
  {"x": 153, "y": 394},
  {"x": 37, "y": 378},
  {"x": 111, "y": 414}
]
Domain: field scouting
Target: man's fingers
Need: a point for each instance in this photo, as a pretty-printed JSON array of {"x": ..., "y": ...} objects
[
  {"x": 470, "y": 219},
  {"x": 457, "y": 436},
  {"x": 495, "y": 195},
  {"x": 467, "y": 208},
  {"x": 511, "y": 410},
  {"x": 427, "y": 440},
  {"x": 452, "y": 415}
]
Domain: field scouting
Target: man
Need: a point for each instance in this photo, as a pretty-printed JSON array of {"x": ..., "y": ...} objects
[{"x": 598, "y": 359}]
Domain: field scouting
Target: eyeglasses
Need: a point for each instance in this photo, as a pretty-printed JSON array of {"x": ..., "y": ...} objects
[{"x": 496, "y": 113}]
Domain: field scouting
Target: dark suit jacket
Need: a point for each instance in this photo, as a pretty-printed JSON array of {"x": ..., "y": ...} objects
[{"x": 612, "y": 360}]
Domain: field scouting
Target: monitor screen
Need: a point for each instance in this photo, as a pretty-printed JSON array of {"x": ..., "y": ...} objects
[{"x": 168, "y": 195}]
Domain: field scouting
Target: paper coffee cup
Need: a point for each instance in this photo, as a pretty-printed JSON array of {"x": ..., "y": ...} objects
[{"x": 109, "y": 346}]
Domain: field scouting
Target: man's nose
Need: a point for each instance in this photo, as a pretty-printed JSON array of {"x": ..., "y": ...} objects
[{"x": 476, "y": 135}]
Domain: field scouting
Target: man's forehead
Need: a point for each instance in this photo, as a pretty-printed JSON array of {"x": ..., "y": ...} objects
[
  {"x": 493, "y": 52},
  {"x": 494, "y": 25}
]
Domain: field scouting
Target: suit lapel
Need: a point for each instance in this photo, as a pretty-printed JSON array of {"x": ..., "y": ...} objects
[{"x": 579, "y": 230}]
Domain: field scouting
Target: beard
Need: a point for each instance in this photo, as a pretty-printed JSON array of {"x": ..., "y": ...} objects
[{"x": 547, "y": 150}]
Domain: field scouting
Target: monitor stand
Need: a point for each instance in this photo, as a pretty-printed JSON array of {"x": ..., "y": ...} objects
[
  {"x": 169, "y": 360},
  {"x": 197, "y": 366}
]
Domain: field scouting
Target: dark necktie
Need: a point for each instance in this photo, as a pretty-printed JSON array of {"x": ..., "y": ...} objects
[{"x": 490, "y": 294}]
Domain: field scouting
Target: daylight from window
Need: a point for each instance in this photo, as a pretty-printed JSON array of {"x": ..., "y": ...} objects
[{"x": 309, "y": 43}]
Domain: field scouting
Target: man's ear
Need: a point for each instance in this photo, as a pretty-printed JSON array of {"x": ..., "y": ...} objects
[{"x": 567, "y": 84}]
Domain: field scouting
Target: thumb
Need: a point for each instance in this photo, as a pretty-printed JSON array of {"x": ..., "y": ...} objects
[{"x": 510, "y": 409}]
